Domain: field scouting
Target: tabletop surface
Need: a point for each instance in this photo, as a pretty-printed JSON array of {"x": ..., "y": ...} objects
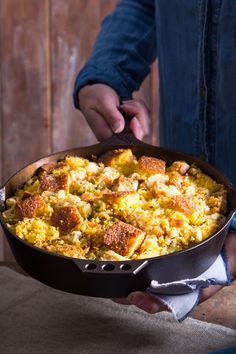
[{"x": 219, "y": 309}]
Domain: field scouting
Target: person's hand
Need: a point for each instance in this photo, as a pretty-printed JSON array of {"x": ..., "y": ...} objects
[
  {"x": 148, "y": 304},
  {"x": 101, "y": 107}
]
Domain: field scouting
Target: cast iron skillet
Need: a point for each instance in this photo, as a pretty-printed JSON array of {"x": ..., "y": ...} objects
[{"x": 115, "y": 278}]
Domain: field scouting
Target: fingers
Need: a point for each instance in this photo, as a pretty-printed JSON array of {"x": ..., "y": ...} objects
[
  {"x": 112, "y": 116},
  {"x": 98, "y": 125},
  {"x": 209, "y": 292},
  {"x": 146, "y": 302},
  {"x": 100, "y": 105},
  {"x": 140, "y": 124},
  {"x": 143, "y": 301},
  {"x": 136, "y": 128}
]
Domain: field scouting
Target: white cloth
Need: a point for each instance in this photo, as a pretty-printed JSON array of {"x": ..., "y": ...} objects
[{"x": 188, "y": 290}]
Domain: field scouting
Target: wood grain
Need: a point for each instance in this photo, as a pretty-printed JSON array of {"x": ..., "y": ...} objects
[
  {"x": 74, "y": 25},
  {"x": 106, "y": 7},
  {"x": 43, "y": 45},
  {"x": 1, "y": 134},
  {"x": 219, "y": 309},
  {"x": 24, "y": 84}
]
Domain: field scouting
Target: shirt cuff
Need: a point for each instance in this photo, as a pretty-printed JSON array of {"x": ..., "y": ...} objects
[{"x": 92, "y": 75}]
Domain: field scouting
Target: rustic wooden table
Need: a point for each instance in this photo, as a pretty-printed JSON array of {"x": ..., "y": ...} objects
[{"x": 219, "y": 309}]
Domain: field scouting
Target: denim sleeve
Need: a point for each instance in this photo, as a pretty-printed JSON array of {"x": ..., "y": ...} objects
[{"x": 124, "y": 49}]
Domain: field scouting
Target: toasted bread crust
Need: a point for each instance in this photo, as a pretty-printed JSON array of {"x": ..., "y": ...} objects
[
  {"x": 49, "y": 167},
  {"x": 54, "y": 183},
  {"x": 66, "y": 250},
  {"x": 110, "y": 157},
  {"x": 30, "y": 206},
  {"x": 151, "y": 165},
  {"x": 182, "y": 204},
  {"x": 66, "y": 218},
  {"x": 123, "y": 238}
]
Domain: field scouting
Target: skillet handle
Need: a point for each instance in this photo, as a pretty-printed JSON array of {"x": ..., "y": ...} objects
[
  {"x": 110, "y": 267},
  {"x": 126, "y": 117}
]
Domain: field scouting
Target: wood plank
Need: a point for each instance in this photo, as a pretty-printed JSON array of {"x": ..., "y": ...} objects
[
  {"x": 26, "y": 124},
  {"x": 74, "y": 26},
  {"x": 106, "y": 7},
  {"x": 40, "y": 42},
  {"x": 1, "y": 132}
]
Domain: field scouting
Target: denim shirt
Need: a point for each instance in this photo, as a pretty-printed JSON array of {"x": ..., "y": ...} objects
[{"x": 195, "y": 43}]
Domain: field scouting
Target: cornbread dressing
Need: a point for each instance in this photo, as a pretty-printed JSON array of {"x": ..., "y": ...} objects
[{"x": 116, "y": 207}]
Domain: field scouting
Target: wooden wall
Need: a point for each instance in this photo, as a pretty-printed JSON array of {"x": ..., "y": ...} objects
[{"x": 43, "y": 44}]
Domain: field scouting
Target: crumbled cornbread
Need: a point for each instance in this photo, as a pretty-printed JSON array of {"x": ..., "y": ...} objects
[{"x": 120, "y": 207}]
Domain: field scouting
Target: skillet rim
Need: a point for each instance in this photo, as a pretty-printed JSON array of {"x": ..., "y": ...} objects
[{"x": 118, "y": 143}]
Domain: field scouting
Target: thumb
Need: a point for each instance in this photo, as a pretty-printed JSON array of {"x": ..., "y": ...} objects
[
  {"x": 113, "y": 117},
  {"x": 146, "y": 302}
]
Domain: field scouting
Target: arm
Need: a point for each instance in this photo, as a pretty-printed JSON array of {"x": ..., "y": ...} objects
[
  {"x": 121, "y": 58},
  {"x": 124, "y": 49}
]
